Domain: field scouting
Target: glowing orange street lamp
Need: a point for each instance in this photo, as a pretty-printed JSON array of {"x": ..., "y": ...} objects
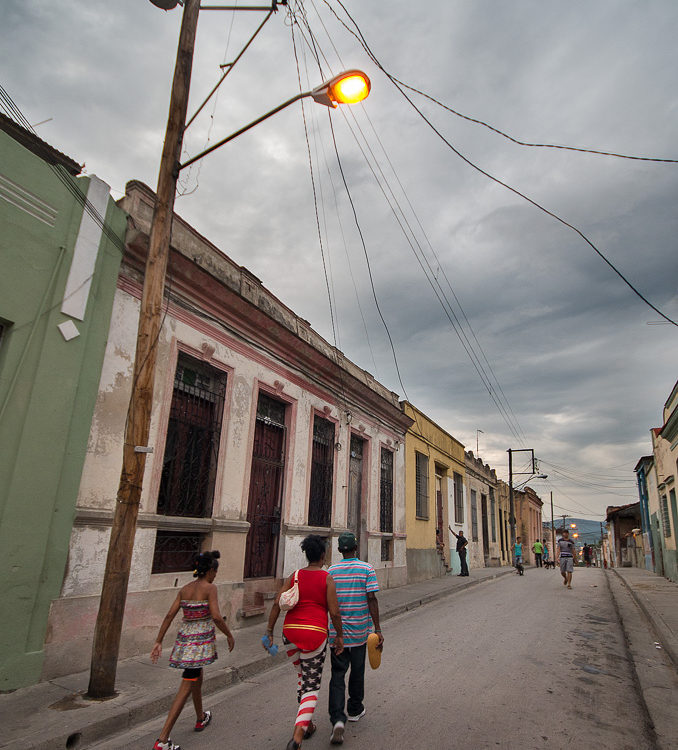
[
  {"x": 576, "y": 536},
  {"x": 349, "y": 87}
]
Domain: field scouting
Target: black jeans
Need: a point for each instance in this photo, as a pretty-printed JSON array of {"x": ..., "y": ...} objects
[
  {"x": 462, "y": 560},
  {"x": 537, "y": 559},
  {"x": 353, "y": 658}
]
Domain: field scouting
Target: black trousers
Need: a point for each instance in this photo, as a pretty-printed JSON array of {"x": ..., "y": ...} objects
[
  {"x": 537, "y": 559},
  {"x": 462, "y": 560},
  {"x": 352, "y": 658}
]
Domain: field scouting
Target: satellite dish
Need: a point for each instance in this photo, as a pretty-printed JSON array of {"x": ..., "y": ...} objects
[{"x": 166, "y": 4}]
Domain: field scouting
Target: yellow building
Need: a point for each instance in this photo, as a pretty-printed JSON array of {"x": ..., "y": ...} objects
[{"x": 434, "y": 496}]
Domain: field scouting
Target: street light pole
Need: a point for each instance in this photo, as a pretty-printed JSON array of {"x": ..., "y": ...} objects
[
  {"x": 349, "y": 87},
  {"x": 108, "y": 629}
]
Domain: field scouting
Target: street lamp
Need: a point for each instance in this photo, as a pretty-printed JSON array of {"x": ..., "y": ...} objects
[
  {"x": 348, "y": 87},
  {"x": 527, "y": 481}
]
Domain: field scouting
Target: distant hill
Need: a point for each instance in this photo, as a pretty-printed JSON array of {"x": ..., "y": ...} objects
[{"x": 589, "y": 531}]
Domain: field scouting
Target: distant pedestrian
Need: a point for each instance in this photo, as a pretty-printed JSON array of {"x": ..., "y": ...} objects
[
  {"x": 305, "y": 631},
  {"x": 565, "y": 551},
  {"x": 538, "y": 549},
  {"x": 587, "y": 555},
  {"x": 195, "y": 646},
  {"x": 357, "y": 587},
  {"x": 546, "y": 557},
  {"x": 462, "y": 544},
  {"x": 518, "y": 552}
]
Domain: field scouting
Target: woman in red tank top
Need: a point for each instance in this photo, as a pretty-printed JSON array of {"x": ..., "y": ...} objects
[{"x": 305, "y": 631}]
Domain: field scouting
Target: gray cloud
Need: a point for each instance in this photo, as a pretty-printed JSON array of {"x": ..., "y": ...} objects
[{"x": 584, "y": 373}]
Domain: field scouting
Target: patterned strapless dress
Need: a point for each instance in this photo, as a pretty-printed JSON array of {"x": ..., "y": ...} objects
[{"x": 195, "y": 645}]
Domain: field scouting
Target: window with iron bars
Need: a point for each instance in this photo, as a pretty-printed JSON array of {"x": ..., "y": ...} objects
[
  {"x": 176, "y": 551},
  {"x": 386, "y": 492},
  {"x": 190, "y": 459},
  {"x": 666, "y": 521},
  {"x": 493, "y": 511},
  {"x": 322, "y": 473},
  {"x": 421, "y": 485},
  {"x": 474, "y": 516},
  {"x": 458, "y": 498},
  {"x": 192, "y": 443}
]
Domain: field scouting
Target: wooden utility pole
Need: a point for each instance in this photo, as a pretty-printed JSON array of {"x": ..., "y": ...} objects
[
  {"x": 106, "y": 644},
  {"x": 553, "y": 531}
]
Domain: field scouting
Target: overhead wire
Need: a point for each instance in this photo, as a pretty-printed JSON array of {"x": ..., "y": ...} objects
[
  {"x": 359, "y": 36},
  {"x": 410, "y": 236},
  {"x": 319, "y": 231}
]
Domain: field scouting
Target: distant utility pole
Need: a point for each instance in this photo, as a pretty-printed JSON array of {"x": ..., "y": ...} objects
[
  {"x": 108, "y": 629},
  {"x": 553, "y": 531},
  {"x": 512, "y": 514}
]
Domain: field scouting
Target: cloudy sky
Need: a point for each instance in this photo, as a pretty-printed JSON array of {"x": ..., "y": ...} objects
[{"x": 580, "y": 366}]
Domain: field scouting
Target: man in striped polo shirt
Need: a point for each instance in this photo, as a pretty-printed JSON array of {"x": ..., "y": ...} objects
[{"x": 357, "y": 588}]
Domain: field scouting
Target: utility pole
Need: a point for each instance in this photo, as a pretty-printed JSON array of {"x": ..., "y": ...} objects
[
  {"x": 553, "y": 531},
  {"x": 512, "y": 515},
  {"x": 106, "y": 644}
]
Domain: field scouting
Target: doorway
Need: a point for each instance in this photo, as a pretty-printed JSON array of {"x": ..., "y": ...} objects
[
  {"x": 266, "y": 482},
  {"x": 355, "y": 487}
]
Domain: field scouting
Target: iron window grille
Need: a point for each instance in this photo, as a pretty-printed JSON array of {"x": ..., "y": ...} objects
[
  {"x": 493, "y": 510},
  {"x": 192, "y": 443},
  {"x": 474, "y": 516},
  {"x": 458, "y": 498},
  {"x": 176, "y": 551},
  {"x": 666, "y": 522},
  {"x": 386, "y": 492},
  {"x": 322, "y": 473},
  {"x": 386, "y": 550},
  {"x": 421, "y": 485}
]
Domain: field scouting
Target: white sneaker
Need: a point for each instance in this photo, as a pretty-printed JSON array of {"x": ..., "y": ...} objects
[
  {"x": 358, "y": 717},
  {"x": 337, "y": 736}
]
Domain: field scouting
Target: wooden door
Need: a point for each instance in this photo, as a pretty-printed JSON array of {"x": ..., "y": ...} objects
[{"x": 264, "y": 506}]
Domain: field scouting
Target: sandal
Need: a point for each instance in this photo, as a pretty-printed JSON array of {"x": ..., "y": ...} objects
[
  {"x": 310, "y": 731},
  {"x": 292, "y": 745}
]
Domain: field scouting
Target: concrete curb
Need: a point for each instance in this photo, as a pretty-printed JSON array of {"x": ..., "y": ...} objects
[
  {"x": 663, "y": 636},
  {"x": 653, "y": 671},
  {"x": 124, "y": 712}
]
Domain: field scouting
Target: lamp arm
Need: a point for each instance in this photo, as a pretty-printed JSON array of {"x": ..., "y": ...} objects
[{"x": 244, "y": 129}]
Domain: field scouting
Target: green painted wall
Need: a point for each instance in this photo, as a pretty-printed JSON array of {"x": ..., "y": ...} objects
[{"x": 48, "y": 388}]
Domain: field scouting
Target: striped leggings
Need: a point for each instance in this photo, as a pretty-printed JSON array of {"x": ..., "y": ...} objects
[{"x": 309, "y": 666}]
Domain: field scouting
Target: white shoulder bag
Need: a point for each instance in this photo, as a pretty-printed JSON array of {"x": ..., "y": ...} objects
[{"x": 288, "y": 599}]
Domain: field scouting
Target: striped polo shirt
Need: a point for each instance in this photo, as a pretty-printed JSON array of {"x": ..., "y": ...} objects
[{"x": 354, "y": 579}]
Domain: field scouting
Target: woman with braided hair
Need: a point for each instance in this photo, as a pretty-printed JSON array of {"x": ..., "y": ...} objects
[{"x": 195, "y": 645}]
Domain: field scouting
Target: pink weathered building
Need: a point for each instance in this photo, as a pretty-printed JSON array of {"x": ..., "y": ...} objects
[{"x": 262, "y": 432}]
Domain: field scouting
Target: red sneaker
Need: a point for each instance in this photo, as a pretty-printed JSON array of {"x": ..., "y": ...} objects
[{"x": 200, "y": 725}]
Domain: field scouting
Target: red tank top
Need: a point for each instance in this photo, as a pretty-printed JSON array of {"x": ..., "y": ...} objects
[{"x": 306, "y": 624}]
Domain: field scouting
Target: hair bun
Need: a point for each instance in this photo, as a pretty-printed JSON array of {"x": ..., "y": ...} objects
[{"x": 216, "y": 554}]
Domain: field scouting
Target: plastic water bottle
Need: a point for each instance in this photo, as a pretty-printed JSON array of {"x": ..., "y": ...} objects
[{"x": 272, "y": 648}]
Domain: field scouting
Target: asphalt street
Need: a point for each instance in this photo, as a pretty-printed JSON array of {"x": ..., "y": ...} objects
[{"x": 520, "y": 662}]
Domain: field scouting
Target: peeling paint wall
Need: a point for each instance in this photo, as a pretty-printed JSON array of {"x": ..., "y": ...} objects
[{"x": 249, "y": 367}]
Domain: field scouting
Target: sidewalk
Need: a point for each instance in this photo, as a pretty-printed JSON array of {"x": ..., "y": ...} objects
[
  {"x": 647, "y": 606},
  {"x": 54, "y": 714},
  {"x": 658, "y": 599}
]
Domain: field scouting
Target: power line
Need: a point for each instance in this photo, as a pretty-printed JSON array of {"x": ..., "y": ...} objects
[
  {"x": 410, "y": 235},
  {"x": 491, "y": 177}
]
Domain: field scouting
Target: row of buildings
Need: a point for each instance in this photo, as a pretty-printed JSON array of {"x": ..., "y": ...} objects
[
  {"x": 261, "y": 431},
  {"x": 656, "y": 528}
]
